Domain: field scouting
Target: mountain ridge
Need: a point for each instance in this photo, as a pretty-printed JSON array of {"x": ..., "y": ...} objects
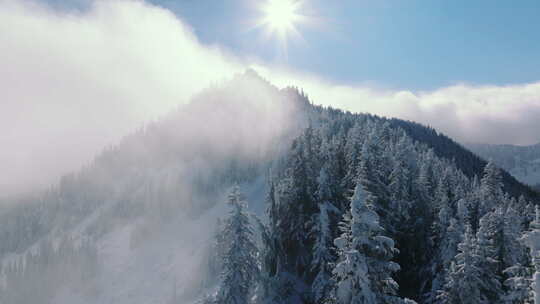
[{"x": 176, "y": 170}]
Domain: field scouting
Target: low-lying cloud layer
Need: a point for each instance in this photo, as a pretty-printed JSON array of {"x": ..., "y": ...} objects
[
  {"x": 477, "y": 114},
  {"x": 73, "y": 82}
]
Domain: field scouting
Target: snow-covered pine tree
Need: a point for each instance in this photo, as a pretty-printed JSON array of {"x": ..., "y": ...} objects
[
  {"x": 323, "y": 257},
  {"x": 371, "y": 169},
  {"x": 350, "y": 275},
  {"x": 464, "y": 211},
  {"x": 353, "y": 147},
  {"x": 321, "y": 232},
  {"x": 514, "y": 261},
  {"x": 363, "y": 274},
  {"x": 529, "y": 213},
  {"x": 532, "y": 239},
  {"x": 400, "y": 182},
  {"x": 487, "y": 254},
  {"x": 464, "y": 279},
  {"x": 425, "y": 180},
  {"x": 491, "y": 191},
  {"x": 297, "y": 205},
  {"x": 240, "y": 262},
  {"x": 448, "y": 246},
  {"x": 518, "y": 285},
  {"x": 270, "y": 289}
]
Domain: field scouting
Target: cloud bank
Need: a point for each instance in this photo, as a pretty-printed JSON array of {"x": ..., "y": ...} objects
[
  {"x": 476, "y": 114},
  {"x": 74, "y": 82}
]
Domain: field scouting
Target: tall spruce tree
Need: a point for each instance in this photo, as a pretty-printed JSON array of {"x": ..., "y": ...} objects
[
  {"x": 491, "y": 191},
  {"x": 323, "y": 257},
  {"x": 487, "y": 253},
  {"x": 516, "y": 272},
  {"x": 240, "y": 262},
  {"x": 363, "y": 274},
  {"x": 532, "y": 239},
  {"x": 464, "y": 280}
]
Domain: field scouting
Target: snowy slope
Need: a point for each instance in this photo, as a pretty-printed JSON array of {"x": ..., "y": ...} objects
[
  {"x": 150, "y": 204},
  {"x": 169, "y": 264}
]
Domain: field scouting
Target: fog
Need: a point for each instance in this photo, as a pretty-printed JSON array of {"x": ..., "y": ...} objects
[
  {"x": 148, "y": 205},
  {"x": 74, "y": 82}
]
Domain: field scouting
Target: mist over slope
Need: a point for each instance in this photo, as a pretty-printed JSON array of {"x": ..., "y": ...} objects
[
  {"x": 137, "y": 224},
  {"x": 523, "y": 162},
  {"x": 158, "y": 183}
]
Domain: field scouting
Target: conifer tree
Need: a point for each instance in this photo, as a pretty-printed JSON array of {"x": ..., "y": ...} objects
[
  {"x": 323, "y": 257},
  {"x": 364, "y": 271},
  {"x": 487, "y": 254},
  {"x": 321, "y": 232},
  {"x": 513, "y": 251},
  {"x": 464, "y": 280},
  {"x": 517, "y": 285},
  {"x": 532, "y": 239},
  {"x": 491, "y": 191},
  {"x": 516, "y": 272},
  {"x": 240, "y": 264}
]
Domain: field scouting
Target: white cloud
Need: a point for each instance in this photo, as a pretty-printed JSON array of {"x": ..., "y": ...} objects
[
  {"x": 484, "y": 114},
  {"x": 73, "y": 82}
]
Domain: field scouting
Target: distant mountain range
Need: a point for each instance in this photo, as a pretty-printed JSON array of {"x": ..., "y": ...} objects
[{"x": 523, "y": 162}]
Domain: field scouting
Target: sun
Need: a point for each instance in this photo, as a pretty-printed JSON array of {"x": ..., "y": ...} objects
[
  {"x": 280, "y": 21},
  {"x": 280, "y": 17}
]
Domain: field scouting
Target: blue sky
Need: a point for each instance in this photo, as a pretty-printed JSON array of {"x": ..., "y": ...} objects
[
  {"x": 414, "y": 45},
  {"x": 397, "y": 44}
]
